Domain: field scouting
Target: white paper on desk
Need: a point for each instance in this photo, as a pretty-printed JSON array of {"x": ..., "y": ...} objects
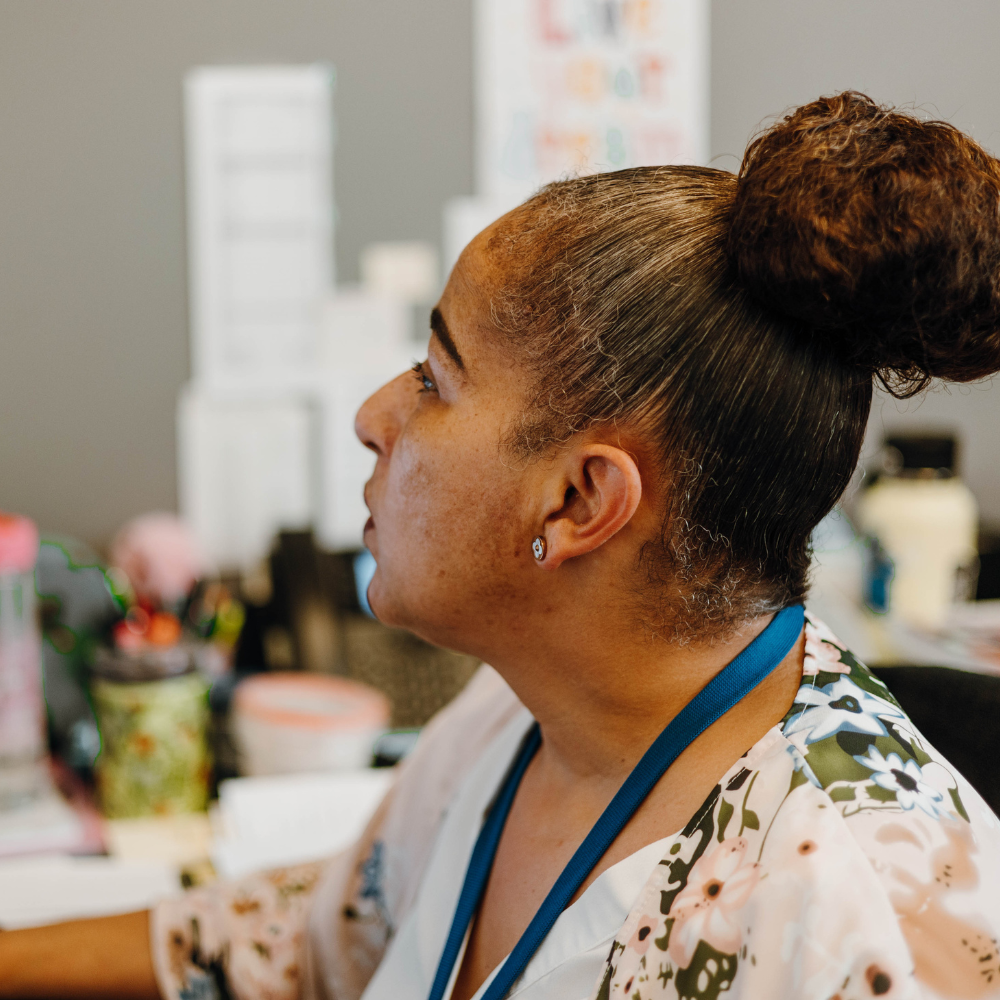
[
  {"x": 46, "y": 890},
  {"x": 46, "y": 824},
  {"x": 268, "y": 822}
]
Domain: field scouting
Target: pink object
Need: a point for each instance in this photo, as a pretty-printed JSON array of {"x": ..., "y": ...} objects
[
  {"x": 160, "y": 556},
  {"x": 292, "y": 722},
  {"x": 18, "y": 544},
  {"x": 311, "y": 701},
  {"x": 22, "y": 709},
  {"x": 22, "y": 706}
]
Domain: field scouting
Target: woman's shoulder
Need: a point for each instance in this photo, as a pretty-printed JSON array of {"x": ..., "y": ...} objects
[
  {"x": 365, "y": 896},
  {"x": 850, "y": 738},
  {"x": 841, "y": 856},
  {"x": 401, "y": 837},
  {"x": 454, "y": 740}
]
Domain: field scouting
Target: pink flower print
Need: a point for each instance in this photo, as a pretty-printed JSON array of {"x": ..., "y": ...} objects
[
  {"x": 707, "y": 908},
  {"x": 823, "y": 650},
  {"x": 639, "y": 942}
]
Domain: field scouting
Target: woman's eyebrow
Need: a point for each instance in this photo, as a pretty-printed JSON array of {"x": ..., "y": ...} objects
[{"x": 440, "y": 328}]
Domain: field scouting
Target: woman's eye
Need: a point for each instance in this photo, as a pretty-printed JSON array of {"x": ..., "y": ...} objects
[{"x": 420, "y": 374}]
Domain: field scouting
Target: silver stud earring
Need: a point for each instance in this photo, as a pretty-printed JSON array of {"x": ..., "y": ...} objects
[{"x": 538, "y": 547}]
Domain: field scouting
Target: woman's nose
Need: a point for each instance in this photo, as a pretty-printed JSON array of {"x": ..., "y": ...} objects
[{"x": 384, "y": 413}]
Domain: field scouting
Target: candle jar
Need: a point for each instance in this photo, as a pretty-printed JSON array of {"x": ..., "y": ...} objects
[{"x": 152, "y": 711}]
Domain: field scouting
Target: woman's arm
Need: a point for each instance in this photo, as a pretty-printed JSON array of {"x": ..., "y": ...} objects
[
  {"x": 108, "y": 957},
  {"x": 250, "y": 935}
]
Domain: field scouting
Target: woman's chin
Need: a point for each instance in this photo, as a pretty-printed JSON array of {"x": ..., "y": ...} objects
[
  {"x": 393, "y": 609},
  {"x": 381, "y": 604}
]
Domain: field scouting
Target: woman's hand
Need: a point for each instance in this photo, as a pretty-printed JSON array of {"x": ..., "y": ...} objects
[{"x": 108, "y": 957}]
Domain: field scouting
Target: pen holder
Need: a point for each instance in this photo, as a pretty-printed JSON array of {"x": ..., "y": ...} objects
[{"x": 154, "y": 757}]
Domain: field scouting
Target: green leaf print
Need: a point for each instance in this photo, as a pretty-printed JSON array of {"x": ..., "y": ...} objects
[
  {"x": 725, "y": 815},
  {"x": 857, "y": 744},
  {"x": 841, "y": 793},
  {"x": 749, "y": 817},
  {"x": 920, "y": 755},
  {"x": 957, "y": 801},
  {"x": 880, "y": 794},
  {"x": 604, "y": 993},
  {"x": 867, "y": 681},
  {"x": 701, "y": 823},
  {"x": 824, "y": 677},
  {"x": 663, "y": 943},
  {"x": 798, "y": 778},
  {"x": 833, "y": 760},
  {"x": 708, "y": 975}
]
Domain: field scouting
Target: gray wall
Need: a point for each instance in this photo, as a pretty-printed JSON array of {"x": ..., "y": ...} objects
[
  {"x": 93, "y": 314},
  {"x": 93, "y": 322}
]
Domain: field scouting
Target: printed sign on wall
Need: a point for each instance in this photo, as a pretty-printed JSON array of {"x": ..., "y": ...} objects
[{"x": 571, "y": 87}]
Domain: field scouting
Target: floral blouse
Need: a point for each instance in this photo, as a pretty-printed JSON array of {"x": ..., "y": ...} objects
[{"x": 842, "y": 857}]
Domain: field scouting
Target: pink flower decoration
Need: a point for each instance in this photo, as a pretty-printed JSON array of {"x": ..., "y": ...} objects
[
  {"x": 640, "y": 941},
  {"x": 707, "y": 908},
  {"x": 160, "y": 556},
  {"x": 823, "y": 650}
]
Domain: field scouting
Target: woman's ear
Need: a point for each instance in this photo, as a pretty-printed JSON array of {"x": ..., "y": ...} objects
[{"x": 601, "y": 490}]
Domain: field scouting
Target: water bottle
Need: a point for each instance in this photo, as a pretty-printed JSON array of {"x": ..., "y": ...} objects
[
  {"x": 23, "y": 745},
  {"x": 922, "y": 517}
]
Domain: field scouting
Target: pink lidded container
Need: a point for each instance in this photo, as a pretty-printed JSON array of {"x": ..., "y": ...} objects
[
  {"x": 288, "y": 723},
  {"x": 23, "y": 771}
]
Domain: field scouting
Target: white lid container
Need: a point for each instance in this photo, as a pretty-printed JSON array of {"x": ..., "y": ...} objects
[
  {"x": 289, "y": 723},
  {"x": 928, "y": 527}
]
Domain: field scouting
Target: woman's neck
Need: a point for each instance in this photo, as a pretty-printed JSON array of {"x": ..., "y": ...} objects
[{"x": 600, "y": 708}]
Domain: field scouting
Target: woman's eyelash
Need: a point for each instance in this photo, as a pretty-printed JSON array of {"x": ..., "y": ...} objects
[{"x": 426, "y": 383}]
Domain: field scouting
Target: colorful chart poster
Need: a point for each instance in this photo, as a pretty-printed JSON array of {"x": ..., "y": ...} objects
[{"x": 568, "y": 87}]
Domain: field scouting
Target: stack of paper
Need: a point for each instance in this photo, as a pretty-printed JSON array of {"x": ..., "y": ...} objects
[
  {"x": 47, "y": 824},
  {"x": 281, "y": 361},
  {"x": 260, "y": 217},
  {"x": 269, "y": 822}
]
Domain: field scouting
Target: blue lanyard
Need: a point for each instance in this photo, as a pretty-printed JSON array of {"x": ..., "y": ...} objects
[{"x": 721, "y": 693}]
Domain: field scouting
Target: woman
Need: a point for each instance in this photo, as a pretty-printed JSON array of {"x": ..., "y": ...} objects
[{"x": 643, "y": 392}]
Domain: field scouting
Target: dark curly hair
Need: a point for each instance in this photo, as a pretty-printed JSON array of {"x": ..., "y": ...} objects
[
  {"x": 880, "y": 232},
  {"x": 738, "y": 321}
]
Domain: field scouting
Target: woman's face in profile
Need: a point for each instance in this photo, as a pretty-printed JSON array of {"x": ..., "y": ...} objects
[{"x": 451, "y": 523}]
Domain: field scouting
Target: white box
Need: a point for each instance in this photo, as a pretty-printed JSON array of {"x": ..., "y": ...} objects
[
  {"x": 366, "y": 344},
  {"x": 260, "y": 220},
  {"x": 247, "y": 471}
]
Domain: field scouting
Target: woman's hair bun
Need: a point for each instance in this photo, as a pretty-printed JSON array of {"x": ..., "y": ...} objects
[{"x": 879, "y": 231}]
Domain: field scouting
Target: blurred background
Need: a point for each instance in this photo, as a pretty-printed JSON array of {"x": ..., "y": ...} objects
[
  {"x": 93, "y": 274},
  {"x": 222, "y": 225}
]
